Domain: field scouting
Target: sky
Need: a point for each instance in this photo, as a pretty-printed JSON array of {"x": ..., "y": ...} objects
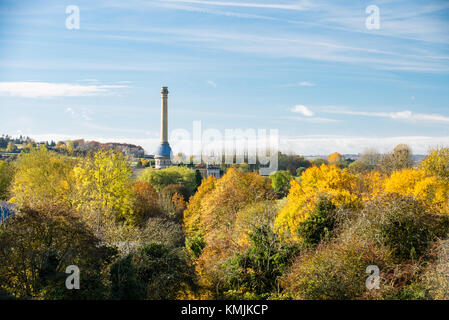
[{"x": 317, "y": 71}]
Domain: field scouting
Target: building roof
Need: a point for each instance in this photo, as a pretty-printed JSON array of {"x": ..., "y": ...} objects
[{"x": 164, "y": 151}]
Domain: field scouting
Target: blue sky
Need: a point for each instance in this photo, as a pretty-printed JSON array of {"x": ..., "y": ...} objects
[{"x": 310, "y": 69}]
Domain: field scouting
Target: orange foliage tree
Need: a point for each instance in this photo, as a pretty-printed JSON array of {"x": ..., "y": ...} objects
[{"x": 213, "y": 213}]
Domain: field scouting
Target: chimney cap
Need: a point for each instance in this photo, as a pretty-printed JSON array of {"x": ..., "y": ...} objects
[{"x": 164, "y": 90}]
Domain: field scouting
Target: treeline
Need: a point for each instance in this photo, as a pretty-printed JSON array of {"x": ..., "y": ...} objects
[
  {"x": 70, "y": 147},
  {"x": 309, "y": 231}
]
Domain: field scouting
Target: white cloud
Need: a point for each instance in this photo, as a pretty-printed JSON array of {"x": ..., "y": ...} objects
[
  {"x": 323, "y": 145},
  {"x": 47, "y": 89},
  {"x": 400, "y": 115},
  {"x": 83, "y": 114},
  {"x": 311, "y": 119},
  {"x": 304, "y": 145},
  {"x": 299, "y": 108},
  {"x": 297, "y": 6},
  {"x": 212, "y": 83},
  {"x": 306, "y": 84}
]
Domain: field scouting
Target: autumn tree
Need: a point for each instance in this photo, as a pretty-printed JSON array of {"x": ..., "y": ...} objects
[
  {"x": 335, "y": 158},
  {"x": 102, "y": 184},
  {"x": 41, "y": 176},
  {"x": 38, "y": 244},
  {"x": 368, "y": 161},
  {"x": 400, "y": 158},
  {"x": 303, "y": 197},
  {"x": 11, "y": 147},
  {"x": 146, "y": 203},
  {"x": 431, "y": 190},
  {"x": 437, "y": 163},
  {"x": 213, "y": 211}
]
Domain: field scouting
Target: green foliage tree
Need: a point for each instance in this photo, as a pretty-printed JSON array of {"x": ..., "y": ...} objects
[
  {"x": 292, "y": 163},
  {"x": 154, "y": 271},
  {"x": 6, "y": 178},
  {"x": 256, "y": 272},
  {"x": 319, "y": 224},
  {"x": 172, "y": 175},
  {"x": 36, "y": 246},
  {"x": 280, "y": 182}
]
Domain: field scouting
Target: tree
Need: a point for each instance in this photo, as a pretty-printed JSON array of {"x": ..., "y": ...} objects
[
  {"x": 11, "y": 147},
  {"x": 292, "y": 162},
  {"x": 198, "y": 179},
  {"x": 369, "y": 159},
  {"x": 103, "y": 184},
  {"x": 431, "y": 190},
  {"x": 318, "y": 162},
  {"x": 319, "y": 224},
  {"x": 154, "y": 271},
  {"x": 38, "y": 244},
  {"x": 6, "y": 178},
  {"x": 146, "y": 203},
  {"x": 213, "y": 212},
  {"x": 302, "y": 198},
  {"x": 437, "y": 163},
  {"x": 255, "y": 272},
  {"x": 280, "y": 182},
  {"x": 335, "y": 158},
  {"x": 172, "y": 175},
  {"x": 400, "y": 158},
  {"x": 41, "y": 176}
]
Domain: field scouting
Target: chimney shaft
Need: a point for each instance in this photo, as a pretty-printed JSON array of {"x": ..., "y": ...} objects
[{"x": 164, "y": 114}]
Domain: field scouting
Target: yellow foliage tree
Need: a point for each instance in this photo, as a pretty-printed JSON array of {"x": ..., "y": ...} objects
[
  {"x": 338, "y": 184},
  {"x": 103, "y": 184},
  {"x": 42, "y": 176},
  {"x": 437, "y": 163},
  {"x": 370, "y": 185},
  {"x": 433, "y": 191}
]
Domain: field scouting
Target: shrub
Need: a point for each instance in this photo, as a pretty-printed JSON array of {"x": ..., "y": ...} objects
[
  {"x": 335, "y": 270},
  {"x": 404, "y": 225},
  {"x": 319, "y": 224},
  {"x": 153, "y": 271},
  {"x": 255, "y": 273}
]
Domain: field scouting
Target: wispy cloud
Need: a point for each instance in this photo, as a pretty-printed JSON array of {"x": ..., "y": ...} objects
[
  {"x": 306, "y": 84},
  {"x": 302, "y": 109},
  {"x": 212, "y": 83},
  {"x": 84, "y": 114},
  {"x": 311, "y": 119},
  {"x": 48, "y": 89},
  {"x": 399, "y": 115},
  {"x": 298, "y": 6}
]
